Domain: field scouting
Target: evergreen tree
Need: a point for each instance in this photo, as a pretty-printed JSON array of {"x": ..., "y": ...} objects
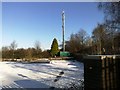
[{"x": 54, "y": 47}]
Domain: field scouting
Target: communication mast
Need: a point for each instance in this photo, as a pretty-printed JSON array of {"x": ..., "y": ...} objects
[{"x": 63, "y": 30}]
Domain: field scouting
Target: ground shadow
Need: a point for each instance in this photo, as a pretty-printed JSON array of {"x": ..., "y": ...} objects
[
  {"x": 50, "y": 67},
  {"x": 31, "y": 84}
]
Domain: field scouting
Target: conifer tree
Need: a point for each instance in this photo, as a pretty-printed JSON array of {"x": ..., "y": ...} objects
[{"x": 54, "y": 47}]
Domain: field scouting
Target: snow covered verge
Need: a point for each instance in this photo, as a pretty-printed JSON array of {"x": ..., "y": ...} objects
[{"x": 57, "y": 73}]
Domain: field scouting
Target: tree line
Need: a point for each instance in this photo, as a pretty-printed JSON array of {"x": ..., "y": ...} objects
[
  {"x": 105, "y": 37},
  {"x": 11, "y": 52},
  {"x": 102, "y": 41}
]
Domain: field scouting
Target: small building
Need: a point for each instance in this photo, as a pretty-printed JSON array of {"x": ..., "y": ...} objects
[{"x": 101, "y": 72}]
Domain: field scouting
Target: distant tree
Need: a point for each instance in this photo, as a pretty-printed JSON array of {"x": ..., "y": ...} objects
[
  {"x": 13, "y": 46},
  {"x": 37, "y": 45},
  {"x": 117, "y": 43},
  {"x": 112, "y": 13},
  {"x": 29, "y": 54},
  {"x": 20, "y": 53},
  {"x": 100, "y": 38},
  {"x": 72, "y": 45},
  {"x": 82, "y": 36},
  {"x": 54, "y": 47},
  {"x": 5, "y": 52},
  {"x": 38, "y": 50},
  {"x": 78, "y": 42},
  {"x": 112, "y": 21},
  {"x": 45, "y": 54}
]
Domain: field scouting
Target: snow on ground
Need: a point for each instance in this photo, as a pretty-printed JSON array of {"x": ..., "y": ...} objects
[{"x": 57, "y": 73}]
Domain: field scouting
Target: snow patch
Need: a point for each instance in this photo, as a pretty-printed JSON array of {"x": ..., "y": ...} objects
[{"x": 58, "y": 74}]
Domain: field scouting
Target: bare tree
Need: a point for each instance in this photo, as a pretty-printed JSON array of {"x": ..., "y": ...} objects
[
  {"x": 37, "y": 48},
  {"x": 82, "y": 36},
  {"x": 112, "y": 13},
  {"x": 112, "y": 20},
  {"x": 99, "y": 37},
  {"x": 13, "y": 46},
  {"x": 78, "y": 42},
  {"x": 28, "y": 53},
  {"x": 37, "y": 45}
]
